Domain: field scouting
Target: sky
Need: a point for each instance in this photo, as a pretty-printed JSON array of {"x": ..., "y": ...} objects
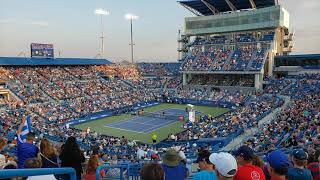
[{"x": 74, "y": 29}]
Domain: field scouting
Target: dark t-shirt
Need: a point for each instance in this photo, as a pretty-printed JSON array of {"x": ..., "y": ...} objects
[{"x": 26, "y": 151}]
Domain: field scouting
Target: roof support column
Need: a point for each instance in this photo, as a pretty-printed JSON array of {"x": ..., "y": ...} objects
[
  {"x": 232, "y": 7},
  {"x": 210, "y": 6}
]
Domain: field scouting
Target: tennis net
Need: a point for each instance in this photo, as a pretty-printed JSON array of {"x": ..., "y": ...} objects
[{"x": 163, "y": 116}]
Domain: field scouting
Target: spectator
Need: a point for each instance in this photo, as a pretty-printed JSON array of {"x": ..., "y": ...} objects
[
  {"x": 173, "y": 168},
  {"x": 314, "y": 165},
  {"x": 299, "y": 170},
  {"x": 246, "y": 170},
  {"x": 71, "y": 156},
  {"x": 48, "y": 154},
  {"x": 26, "y": 150},
  {"x": 278, "y": 165},
  {"x": 3, "y": 143},
  {"x": 225, "y": 165},
  {"x": 152, "y": 171},
  {"x": 206, "y": 167},
  {"x": 257, "y": 161},
  {"x": 36, "y": 163},
  {"x": 92, "y": 165}
]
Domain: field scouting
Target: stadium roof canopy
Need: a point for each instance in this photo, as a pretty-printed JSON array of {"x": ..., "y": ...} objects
[
  {"x": 298, "y": 57},
  {"x": 212, "y": 7},
  {"x": 21, "y": 61}
]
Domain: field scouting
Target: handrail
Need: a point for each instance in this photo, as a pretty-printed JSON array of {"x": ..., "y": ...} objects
[{"x": 8, "y": 173}]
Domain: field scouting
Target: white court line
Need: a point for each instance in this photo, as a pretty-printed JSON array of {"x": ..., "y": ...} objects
[
  {"x": 126, "y": 130},
  {"x": 132, "y": 120},
  {"x": 159, "y": 126}
]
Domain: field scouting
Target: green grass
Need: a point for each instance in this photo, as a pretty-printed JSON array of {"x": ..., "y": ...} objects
[{"x": 162, "y": 133}]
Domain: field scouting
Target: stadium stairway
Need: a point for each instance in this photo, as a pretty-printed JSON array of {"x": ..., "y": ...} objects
[
  {"x": 251, "y": 60},
  {"x": 237, "y": 142}
]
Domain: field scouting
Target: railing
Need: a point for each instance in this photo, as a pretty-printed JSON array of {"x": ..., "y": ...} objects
[
  {"x": 132, "y": 171},
  {"x": 10, "y": 173}
]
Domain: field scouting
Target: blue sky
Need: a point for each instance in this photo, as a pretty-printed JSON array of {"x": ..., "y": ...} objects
[{"x": 74, "y": 29}]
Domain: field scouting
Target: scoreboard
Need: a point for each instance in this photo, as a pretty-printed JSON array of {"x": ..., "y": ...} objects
[{"x": 42, "y": 50}]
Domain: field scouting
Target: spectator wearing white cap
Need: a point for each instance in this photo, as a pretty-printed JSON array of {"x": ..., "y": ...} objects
[{"x": 225, "y": 165}]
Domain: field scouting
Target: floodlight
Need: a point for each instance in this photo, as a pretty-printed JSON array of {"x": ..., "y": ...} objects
[
  {"x": 131, "y": 16},
  {"x": 101, "y": 12}
]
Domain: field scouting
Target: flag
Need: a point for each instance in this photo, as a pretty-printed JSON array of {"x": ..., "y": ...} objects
[{"x": 26, "y": 128}]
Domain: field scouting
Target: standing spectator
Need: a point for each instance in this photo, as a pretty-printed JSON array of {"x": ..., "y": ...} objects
[
  {"x": 246, "y": 170},
  {"x": 152, "y": 171},
  {"x": 91, "y": 169},
  {"x": 206, "y": 167},
  {"x": 154, "y": 138},
  {"x": 257, "y": 161},
  {"x": 278, "y": 165},
  {"x": 225, "y": 165},
  {"x": 26, "y": 150},
  {"x": 71, "y": 156},
  {"x": 3, "y": 143},
  {"x": 299, "y": 170},
  {"x": 173, "y": 168},
  {"x": 314, "y": 165},
  {"x": 48, "y": 154}
]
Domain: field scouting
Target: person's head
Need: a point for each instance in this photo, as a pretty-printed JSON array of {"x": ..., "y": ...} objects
[
  {"x": 203, "y": 160},
  {"x": 30, "y": 137},
  {"x": 46, "y": 148},
  {"x": 32, "y": 163},
  {"x": 278, "y": 164},
  {"x": 244, "y": 155},
  {"x": 225, "y": 165},
  {"x": 152, "y": 171},
  {"x": 92, "y": 165},
  {"x": 70, "y": 145},
  {"x": 171, "y": 158},
  {"x": 114, "y": 159},
  {"x": 3, "y": 143},
  {"x": 257, "y": 161},
  {"x": 299, "y": 158}
]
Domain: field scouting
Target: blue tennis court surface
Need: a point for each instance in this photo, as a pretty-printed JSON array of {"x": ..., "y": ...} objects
[{"x": 145, "y": 124}]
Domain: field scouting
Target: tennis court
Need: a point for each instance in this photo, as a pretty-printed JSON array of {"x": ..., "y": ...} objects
[{"x": 149, "y": 122}]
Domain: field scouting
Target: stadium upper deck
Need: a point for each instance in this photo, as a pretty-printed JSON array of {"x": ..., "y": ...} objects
[
  {"x": 212, "y": 7},
  {"x": 228, "y": 38}
]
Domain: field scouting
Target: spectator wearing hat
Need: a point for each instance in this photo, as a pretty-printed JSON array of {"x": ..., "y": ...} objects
[
  {"x": 278, "y": 165},
  {"x": 299, "y": 170},
  {"x": 246, "y": 170},
  {"x": 207, "y": 170},
  {"x": 173, "y": 168},
  {"x": 225, "y": 165}
]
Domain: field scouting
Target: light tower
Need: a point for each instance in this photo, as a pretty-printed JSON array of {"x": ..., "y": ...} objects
[
  {"x": 102, "y": 13},
  {"x": 131, "y": 17}
]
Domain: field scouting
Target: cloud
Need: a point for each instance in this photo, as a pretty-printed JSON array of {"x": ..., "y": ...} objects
[{"x": 24, "y": 22}]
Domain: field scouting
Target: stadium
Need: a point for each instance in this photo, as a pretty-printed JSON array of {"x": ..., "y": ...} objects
[{"x": 234, "y": 98}]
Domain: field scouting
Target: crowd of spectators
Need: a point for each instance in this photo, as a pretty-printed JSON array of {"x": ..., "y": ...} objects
[
  {"x": 73, "y": 92},
  {"x": 209, "y": 54},
  {"x": 297, "y": 125}
]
